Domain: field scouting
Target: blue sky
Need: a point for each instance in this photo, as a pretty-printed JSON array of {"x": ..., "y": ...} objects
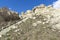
[{"x": 23, "y": 5}]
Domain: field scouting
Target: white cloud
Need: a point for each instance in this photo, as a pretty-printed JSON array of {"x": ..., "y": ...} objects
[{"x": 56, "y": 4}]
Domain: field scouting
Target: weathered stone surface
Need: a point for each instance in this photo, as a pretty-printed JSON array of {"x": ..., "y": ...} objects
[
  {"x": 8, "y": 15},
  {"x": 42, "y": 23},
  {"x": 1, "y": 19}
]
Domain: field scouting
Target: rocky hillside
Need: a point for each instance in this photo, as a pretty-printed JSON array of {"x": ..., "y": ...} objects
[
  {"x": 40, "y": 23},
  {"x": 7, "y": 17}
]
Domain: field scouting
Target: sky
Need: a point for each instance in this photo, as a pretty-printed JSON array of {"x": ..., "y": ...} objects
[
  {"x": 23, "y": 5},
  {"x": 56, "y": 4}
]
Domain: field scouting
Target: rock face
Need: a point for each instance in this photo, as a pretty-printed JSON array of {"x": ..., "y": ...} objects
[
  {"x": 8, "y": 15},
  {"x": 40, "y": 23},
  {"x": 1, "y": 19}
]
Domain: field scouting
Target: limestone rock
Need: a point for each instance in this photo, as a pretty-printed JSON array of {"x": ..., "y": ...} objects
[
  {"x": 8, "y": 15},
  {"x": 40, "y": 23},
  {"x": 38, "y": 7}
]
